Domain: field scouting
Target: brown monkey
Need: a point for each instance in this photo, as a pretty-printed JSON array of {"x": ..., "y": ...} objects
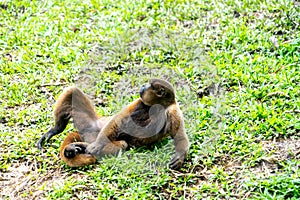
[{"x": 148, "y": 119}]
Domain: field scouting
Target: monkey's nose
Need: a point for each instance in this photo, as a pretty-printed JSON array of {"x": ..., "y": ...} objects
[{"x": 142, "y": 90}]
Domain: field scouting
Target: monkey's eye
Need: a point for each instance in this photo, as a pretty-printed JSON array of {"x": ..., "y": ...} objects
[{"x": 160, "y": 92}]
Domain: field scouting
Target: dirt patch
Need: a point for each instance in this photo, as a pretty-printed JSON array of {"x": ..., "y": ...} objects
[
  {"x": 22, "y": 179},
  {"x": 25, "y": 181},
  {"x": 212, "y": 89},
  {"x": 279, "y": 151}
]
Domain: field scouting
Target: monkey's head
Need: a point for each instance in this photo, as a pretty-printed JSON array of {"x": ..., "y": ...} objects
[{"x": 157, "y": 92}]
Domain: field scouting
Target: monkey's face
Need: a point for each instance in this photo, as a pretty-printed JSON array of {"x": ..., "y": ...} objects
[{"x": 157, "y": 92}]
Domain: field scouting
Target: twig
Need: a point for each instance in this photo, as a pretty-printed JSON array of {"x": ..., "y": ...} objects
[
  {"x": 279, "y": 69},
  {"x": 51, "y": 84},
  {"x": 277, "y": 93}
]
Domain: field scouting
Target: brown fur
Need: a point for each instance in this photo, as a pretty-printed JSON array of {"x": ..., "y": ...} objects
[
  {"x": 148, "y": 119},
  {"x": 80, "y": 159}
]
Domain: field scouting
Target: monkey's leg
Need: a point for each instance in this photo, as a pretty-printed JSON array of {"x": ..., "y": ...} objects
[
  {"x": 85, "y": 118},
  {"x": 61, "y": 121},
  {"x": 72, "y": 103},
  {"x": 62, "y": 115}
]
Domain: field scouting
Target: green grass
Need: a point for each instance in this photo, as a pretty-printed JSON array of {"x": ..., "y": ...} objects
[{"x": 236, "y": 69}]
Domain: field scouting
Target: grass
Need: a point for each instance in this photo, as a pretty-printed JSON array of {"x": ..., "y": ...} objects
[{"x": 235, "y": 67}]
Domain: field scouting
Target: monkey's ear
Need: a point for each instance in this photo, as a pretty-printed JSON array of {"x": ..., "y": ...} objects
[{"x": 160, "y": 92}]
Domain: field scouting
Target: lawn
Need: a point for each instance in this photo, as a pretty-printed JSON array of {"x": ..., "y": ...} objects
[{"x": 235, "y": 67}]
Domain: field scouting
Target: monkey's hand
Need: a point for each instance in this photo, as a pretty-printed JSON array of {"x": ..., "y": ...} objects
[
  {"x": 74, "y": 154},
  {"x": 94, "y": 149},
  {"x": 73, "y": 149},
  {"x": 177, "y": 160},
  {"x": 111, "y": 148}
]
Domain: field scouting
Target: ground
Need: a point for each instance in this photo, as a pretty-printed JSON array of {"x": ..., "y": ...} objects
[{"x": 235, "y": 68}]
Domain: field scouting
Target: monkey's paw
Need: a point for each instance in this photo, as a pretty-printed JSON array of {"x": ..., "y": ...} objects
[
  {"x": 177, "y": 161},
  {"x": 94, "y": 149}
]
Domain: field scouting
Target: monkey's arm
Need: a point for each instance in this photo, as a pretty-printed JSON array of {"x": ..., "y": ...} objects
[
  {"x": 106, "y": 142},
  {"x": 181, "y": 141}
]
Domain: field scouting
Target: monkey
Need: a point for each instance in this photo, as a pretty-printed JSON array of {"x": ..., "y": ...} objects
[{"x": 150, "y": 118}]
